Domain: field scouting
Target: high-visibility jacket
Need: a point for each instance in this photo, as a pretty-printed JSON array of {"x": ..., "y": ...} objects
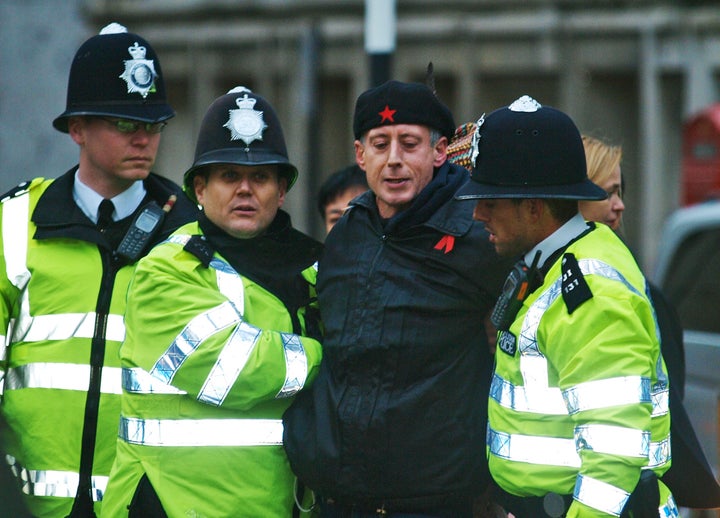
[
  {"x": 62, "y": 299},
  {"x": 579, "y": 398},
  {"x": 210, "y": 363}
]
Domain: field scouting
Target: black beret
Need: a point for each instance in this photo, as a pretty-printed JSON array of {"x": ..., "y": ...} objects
[{"x": 395, "y": 102}]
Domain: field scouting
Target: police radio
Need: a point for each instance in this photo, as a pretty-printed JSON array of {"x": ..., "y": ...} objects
[
  {"x": 143, "y": 228},
  {"x": 514, "y": 292}
]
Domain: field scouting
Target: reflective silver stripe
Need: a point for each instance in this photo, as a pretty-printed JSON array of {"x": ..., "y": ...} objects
[
  {"x": 139, "y": 381},
  {"x": 659, "y": 454},
  {"x": 206, "y": 432},
  {"x": 600, "y": 495},
  {"x": 230, "y": 363},
  {"x": 296, "y": 368},
  {"x": 605, "y": 393},
  {"x": 660, "y": 400},
  {"x": 613, "y": 439},
  {"x": 238, "y": 347},
  {"x": 515, "y": 397},
  {"x": 197, "y": 330},
  {"x": 669, "y": 509},
  {"x": 62, "y": 376},
  {"x": 63, "y": 326},
  {"x": 553, "y": 451},
  {"x": 59, "y": 484},
  {"x": 230, "y": 284},
  {"x": 584, "y": 396},
  {"x": 15, "y": 239}
]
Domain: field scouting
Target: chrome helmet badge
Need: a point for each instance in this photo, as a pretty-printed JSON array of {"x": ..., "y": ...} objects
[
  {"x": 525, "y": 104},
  {"x": 245, "y": 123},
  {"x": 139, "y": 72}
]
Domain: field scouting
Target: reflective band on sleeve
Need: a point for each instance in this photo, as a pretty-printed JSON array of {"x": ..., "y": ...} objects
[
  {"x": 669, "y": 509},
  {"x": 550, "y": 451},
  {"x": 229, "y": 364},
  {"x": 64, "y": 326},
  {"x": 198, "y": 329},
  {"x": 139, "y": 381},
  {"x": 63, "y": 376},
  {"x": 553, "y": 451},
  {"x": 605, "y": 393},
  {"x": 613, "y": 440},
  {"x": 206, "y": 432},
  {"x": 15, "y": 239},
  {"x": 514, "y": 397},
  {"x": 295, "y": 365},
  {"x": 660, "y": 400},
  {"x": 600, "y": 495},
  {"x": 659, "y": 453},
  {"x": 58, "y": 484}
]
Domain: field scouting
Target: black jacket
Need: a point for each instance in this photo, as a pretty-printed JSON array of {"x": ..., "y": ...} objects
[{"x": 398, "y": 413}]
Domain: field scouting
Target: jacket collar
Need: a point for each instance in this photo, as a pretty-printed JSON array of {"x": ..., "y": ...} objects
[{"x": 453, "y": 217}]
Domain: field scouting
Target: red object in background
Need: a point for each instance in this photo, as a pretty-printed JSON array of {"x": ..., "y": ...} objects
[{"x": 701, "y": 156}]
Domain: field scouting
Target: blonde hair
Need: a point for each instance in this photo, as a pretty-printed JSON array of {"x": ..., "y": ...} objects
[{"x": 601, "y": 158}]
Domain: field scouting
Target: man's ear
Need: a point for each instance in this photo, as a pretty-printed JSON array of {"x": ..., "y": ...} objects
[
  {"x": 440, "y": 152},
  {"x": 199, "y": 184},
  {"x": 536, "y": 208},
  {"x": 282, "y": 190},
  {"x": 360, "y": 154}
]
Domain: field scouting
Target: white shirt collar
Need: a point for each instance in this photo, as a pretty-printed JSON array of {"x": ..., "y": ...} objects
[
  {"x": 555, "y": 241},
  {"x": 125, "y": 203}
]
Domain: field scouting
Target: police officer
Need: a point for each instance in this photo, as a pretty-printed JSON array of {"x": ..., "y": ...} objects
[
  {"x": 65, "y": 274},
  {"x": 204, "y": 390},
  {"x": 578, "y": 411}
]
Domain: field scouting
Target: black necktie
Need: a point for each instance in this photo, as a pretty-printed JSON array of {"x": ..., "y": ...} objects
[{"x": 105, "y": 214}]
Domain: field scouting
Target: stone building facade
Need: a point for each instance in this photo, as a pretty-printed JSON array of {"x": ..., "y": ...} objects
[{"x": 630, "y": 71}]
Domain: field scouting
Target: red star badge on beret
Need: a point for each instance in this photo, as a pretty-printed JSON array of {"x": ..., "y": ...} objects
[{"x": 387, "y": 114}]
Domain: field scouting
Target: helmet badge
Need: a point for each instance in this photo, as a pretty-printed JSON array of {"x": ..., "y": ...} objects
[
  {"x": 475, "y": 142},
  {"x": 245, "y": 123},
  {"x": 139, "y": 72},
  {"x": 525, "y": 104}
]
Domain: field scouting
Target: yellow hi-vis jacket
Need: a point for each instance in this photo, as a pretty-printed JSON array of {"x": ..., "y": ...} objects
[
  {"x": 62, "y": 300},
  {"x": 579, "y": 398},
  {"x": 210, "y": 364}
]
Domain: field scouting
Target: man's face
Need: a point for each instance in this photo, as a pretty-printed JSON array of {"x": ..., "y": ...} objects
[
  {"x": 508, "y": 223},
  {"x": 336, "y": 207},
  {"x": 110, "y": 161},
  {"x": 241, "y": 200},
  {"x": 399, "y": 162}
]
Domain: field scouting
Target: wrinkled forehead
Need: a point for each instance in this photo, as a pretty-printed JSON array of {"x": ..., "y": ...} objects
[{"x": 399, "y": 131}]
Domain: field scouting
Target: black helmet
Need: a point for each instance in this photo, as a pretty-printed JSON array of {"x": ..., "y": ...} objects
[
  {"x": 240, "y": 128},
  {"x": 526, "y": 150},
  {"x": 116, "y": 74}
]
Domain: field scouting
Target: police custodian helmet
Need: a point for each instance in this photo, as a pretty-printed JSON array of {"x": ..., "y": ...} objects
[
  {"x": 240, "y": 128},
  {"x": 116, "y": 74},
  {"x": 527, "y": 150}
]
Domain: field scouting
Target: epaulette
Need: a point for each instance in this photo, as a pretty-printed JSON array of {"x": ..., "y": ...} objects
[
  {"x": 198, "y": 246},
  {"x": 575, "y": 289},
  {"x": 19, "y": 190}
]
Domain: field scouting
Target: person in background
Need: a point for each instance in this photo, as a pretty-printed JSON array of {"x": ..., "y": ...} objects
[
  {"x": 223, "y": 331},
  {"x": 579, "y": 423},
  {"x": 337, "y": 191},
  {"x": 690, "y": 477},
  {"x": 395, "y": 422},
  {"x": 69, "y": 246}
]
